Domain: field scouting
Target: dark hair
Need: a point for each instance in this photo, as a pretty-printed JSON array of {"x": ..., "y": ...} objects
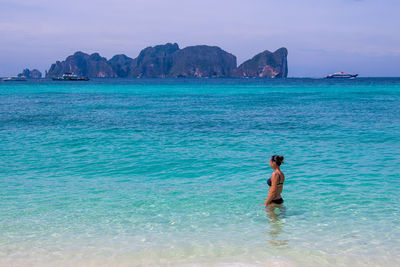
[{"x": 277, "y": 159}]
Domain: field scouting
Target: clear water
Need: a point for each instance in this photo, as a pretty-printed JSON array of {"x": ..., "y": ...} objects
[{"x": 172, "y": 172}]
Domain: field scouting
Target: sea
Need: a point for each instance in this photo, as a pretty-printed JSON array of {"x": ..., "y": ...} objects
[{"x": 172, "y": 172}]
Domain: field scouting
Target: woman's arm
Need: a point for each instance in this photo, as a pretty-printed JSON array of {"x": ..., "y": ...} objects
[{"x": 272, "y": 190}]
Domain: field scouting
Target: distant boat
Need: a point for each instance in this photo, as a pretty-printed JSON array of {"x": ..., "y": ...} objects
[
  {"x": 15, "y": 79},
  {"x": 341, "y": 75},
  {"x": 69, "y": 76}
]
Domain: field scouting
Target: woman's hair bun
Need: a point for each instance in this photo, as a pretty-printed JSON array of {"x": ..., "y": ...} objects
[{"x": 277, "y": 159}]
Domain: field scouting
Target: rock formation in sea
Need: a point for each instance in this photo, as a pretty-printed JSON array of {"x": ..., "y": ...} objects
[
  {"x": 83, "y": 64},
  {"x": 31, "y": 74},
  {"x": 122, "y": 65},
  {"x": 202, "y": 61},
  {"x": 154, "y": 62},
  {"x": 163, "y": 61},
  {"x": 265, "y": 65}
]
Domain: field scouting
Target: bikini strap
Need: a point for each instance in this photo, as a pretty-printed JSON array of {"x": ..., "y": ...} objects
[{"x": 280, "y": 179}]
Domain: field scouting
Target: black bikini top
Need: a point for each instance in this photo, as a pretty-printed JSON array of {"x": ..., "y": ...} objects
[{"x": 269, "y": 181}]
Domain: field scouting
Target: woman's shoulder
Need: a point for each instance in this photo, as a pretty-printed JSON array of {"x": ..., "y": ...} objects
[
  {"x": 278, "y": 174},
  {"x": 275, "y": 174}
]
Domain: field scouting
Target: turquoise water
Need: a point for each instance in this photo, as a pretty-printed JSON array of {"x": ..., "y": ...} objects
[{"x": 171, "y": 172}]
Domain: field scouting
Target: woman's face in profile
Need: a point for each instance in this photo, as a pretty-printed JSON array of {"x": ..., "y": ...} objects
[{"x": 271, "y": 163}]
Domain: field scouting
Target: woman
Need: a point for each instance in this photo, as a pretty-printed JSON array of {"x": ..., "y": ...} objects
[{"x": 275, "y": 182}]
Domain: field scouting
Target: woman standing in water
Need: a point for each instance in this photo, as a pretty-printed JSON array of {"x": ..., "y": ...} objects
[{"x": 276, "y": 181}]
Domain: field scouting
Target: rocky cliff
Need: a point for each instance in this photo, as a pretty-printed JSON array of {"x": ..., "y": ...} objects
[
  {"x": 154, "y": 62},
  {"x": 169, "y": 60},
  {"x": 265, "y": 65},
  {"x": 122, "y": 65},
  {"x": 202, "y": 61},
  {"x": 83, "y": 64},
  {"x": 31, "y": 74},
  {"x": 194, "y": 61}
]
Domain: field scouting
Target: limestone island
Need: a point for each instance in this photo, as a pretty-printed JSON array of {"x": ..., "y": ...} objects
[{"x": 169, "y": 61}]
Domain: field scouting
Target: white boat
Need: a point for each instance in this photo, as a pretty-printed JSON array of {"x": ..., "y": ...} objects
[
  {"x": 15, "y": 79},
  {"x": 68, "y": 76},
  {"x": 341, "y": 75}
]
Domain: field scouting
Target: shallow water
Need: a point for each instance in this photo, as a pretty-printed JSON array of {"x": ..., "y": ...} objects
[{"x": 171, "y": 172}]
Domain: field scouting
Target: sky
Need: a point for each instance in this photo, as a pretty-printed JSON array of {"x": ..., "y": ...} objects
[{"x": 322, "y": 36}]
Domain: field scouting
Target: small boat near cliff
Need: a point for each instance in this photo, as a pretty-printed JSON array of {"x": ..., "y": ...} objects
[
  {"x": 341, "y": 75},
  {"x": 69, "y": 76},
  {"x": 15, "y": 79}
]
